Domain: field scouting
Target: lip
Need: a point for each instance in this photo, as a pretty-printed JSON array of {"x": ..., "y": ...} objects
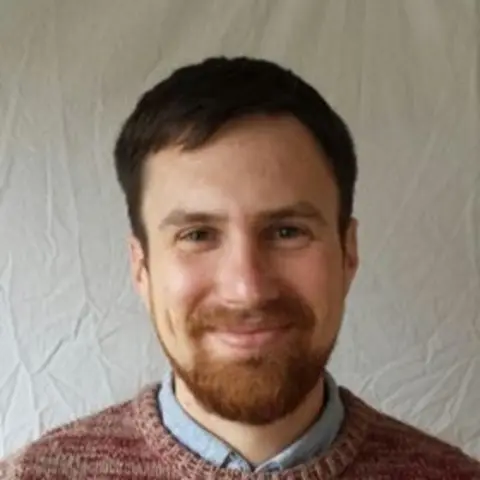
[{"x": 248, "y": 338}]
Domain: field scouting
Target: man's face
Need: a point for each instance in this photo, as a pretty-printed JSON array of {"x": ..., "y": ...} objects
[{"x": 246, "y": 276}]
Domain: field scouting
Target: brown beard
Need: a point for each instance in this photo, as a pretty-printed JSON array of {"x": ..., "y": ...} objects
[{"x": 265, "y": 386}]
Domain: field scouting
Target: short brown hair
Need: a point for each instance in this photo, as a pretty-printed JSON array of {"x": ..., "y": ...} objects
[{"x": 195, "y": 101}]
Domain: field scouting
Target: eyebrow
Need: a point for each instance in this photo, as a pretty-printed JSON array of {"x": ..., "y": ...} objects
[{"x": 305, "y": 210}]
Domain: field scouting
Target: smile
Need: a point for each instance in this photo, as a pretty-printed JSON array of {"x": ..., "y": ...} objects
[{"x": 246, "y": 339}]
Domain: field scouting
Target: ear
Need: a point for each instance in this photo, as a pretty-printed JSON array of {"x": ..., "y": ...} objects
[
  {"x": 139, "y": 269},
  {"x": 350, "y": 256}
]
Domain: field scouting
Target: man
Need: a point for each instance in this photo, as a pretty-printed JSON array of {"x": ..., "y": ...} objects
[{"x": 239, "y": 181}]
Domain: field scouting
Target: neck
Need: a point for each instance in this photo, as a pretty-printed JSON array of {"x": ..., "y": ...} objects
[{"x": 255, "y": 443}]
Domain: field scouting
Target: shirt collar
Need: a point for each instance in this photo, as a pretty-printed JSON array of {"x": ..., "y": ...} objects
[
  {"x": 186, "y": 430},
  {"x": 193, "y": 436}
]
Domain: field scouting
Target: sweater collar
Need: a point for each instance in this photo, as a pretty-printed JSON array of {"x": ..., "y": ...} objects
[{"x": 179, "y": 462}]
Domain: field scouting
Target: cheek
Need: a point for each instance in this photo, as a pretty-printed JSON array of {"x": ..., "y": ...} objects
[
  {"x": 175, "y": 289},
  {"x": 317, "y": 276},
  {"x": 177, "y": 286},
  {"x": 318, "y": 279}
]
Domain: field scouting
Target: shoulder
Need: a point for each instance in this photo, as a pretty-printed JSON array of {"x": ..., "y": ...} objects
[
  {"x": 422, "y": 450},
  {"x": 394, "y": 445},
  {"x": 75, "y": 446}
]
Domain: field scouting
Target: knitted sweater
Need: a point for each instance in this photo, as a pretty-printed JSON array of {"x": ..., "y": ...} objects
[{"x": 129, "y": 441}]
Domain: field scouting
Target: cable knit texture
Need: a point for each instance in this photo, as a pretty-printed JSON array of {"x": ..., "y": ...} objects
[{"x": 128, "y": 441}]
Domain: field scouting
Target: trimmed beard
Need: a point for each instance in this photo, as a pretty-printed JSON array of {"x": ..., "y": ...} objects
[{"x": 261, "y": 388}]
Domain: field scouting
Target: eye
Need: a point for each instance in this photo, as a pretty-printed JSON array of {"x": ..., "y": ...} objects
[
  {"x": 289, "y": 236},
  {"x": 199, "y": 239},
  {"x": 287, "y": 232},
  {"x": 197, "y": 235}
]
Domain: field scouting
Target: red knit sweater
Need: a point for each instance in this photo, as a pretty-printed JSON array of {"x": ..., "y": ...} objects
[{"x": 128, "y": 441}]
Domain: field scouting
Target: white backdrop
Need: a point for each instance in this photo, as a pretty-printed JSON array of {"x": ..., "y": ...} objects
[{"x": 404, "y": 74}]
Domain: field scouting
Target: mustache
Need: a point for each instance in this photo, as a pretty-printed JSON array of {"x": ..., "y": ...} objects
[{"x": 279, "y": 313}]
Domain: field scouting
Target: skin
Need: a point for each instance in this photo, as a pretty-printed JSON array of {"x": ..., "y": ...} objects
[{"x": 265, "y": 227}]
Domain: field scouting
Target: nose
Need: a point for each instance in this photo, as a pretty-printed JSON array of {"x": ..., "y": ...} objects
[{"x": 245, "y": 278}]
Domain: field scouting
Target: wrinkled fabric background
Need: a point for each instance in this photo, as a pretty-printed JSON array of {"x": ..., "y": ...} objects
[{"x": 404, "y": 74}]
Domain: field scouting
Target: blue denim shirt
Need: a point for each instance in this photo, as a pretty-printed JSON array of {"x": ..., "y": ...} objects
[{"x": 187, "y": 431}]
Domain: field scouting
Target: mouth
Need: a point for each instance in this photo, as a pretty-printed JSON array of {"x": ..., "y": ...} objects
[{"x": 248, "y": 338}]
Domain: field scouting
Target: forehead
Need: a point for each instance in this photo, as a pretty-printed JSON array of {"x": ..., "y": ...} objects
[{"x": 251, "y": 164}]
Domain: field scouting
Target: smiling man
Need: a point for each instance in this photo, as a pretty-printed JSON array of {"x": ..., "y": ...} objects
[{"x": 239, "y": 181}]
